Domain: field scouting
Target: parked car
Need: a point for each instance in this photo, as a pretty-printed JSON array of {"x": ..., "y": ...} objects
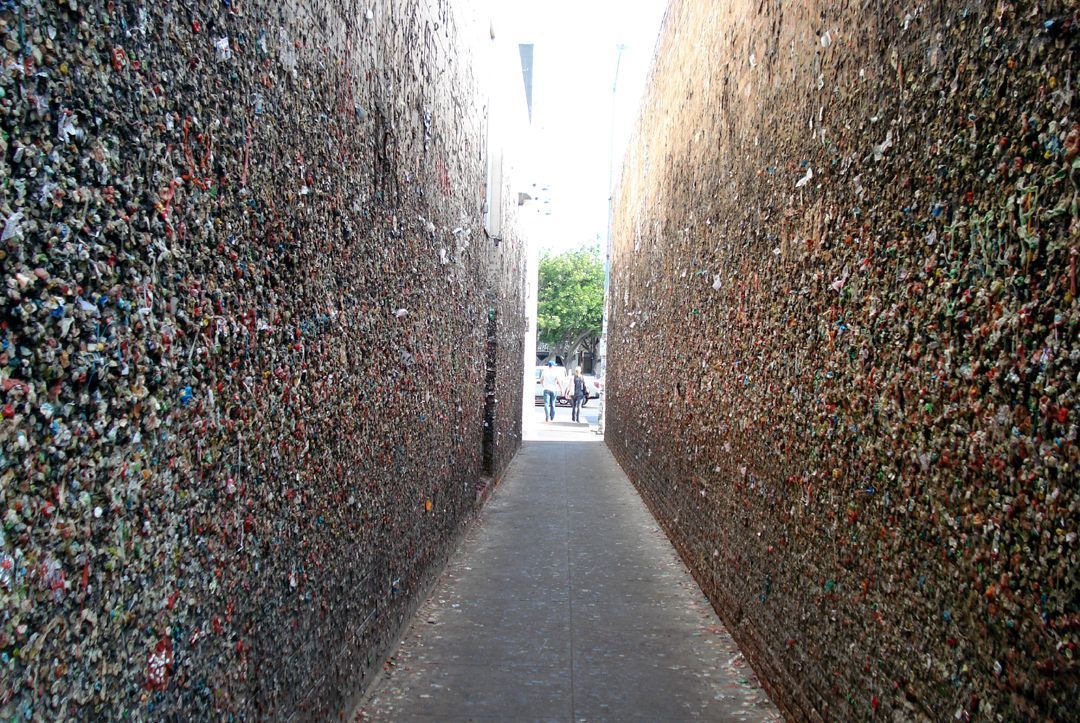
[{"x": 593, "y": 388}]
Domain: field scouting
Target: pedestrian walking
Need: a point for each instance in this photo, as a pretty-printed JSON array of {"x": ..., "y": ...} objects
[
  {"x": 579, "y": 395},
  {"x": 551, "y": 381}
]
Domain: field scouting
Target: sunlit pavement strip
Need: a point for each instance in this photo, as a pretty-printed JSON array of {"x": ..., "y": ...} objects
[
  {"x": 566, "y": 602},
  {"x": 534, "y": 427}
]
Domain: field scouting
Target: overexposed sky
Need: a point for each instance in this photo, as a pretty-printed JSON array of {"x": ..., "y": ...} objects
[{"x": 574, "y": 128}]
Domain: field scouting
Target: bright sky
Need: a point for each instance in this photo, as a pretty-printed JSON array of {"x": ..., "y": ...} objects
[{"x": 575, "y": 53}]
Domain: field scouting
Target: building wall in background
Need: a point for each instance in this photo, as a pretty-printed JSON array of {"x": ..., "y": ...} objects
[
  {"x": 498, "y": 67},
  {"x": 843, "y": 348},
  {"x": 243, "y": 346}
]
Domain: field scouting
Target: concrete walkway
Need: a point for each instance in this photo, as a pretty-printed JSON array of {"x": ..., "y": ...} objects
[{"x": 566, "y": 603}]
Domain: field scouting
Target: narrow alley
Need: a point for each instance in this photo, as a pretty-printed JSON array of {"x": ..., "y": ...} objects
[{"x": 577, "y": 360}]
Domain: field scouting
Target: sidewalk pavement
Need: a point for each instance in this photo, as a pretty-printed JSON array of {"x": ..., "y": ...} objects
[{"x": 566, "y": 602}]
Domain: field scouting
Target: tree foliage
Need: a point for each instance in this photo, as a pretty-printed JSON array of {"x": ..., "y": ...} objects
[{"x": 570, "y": 298}]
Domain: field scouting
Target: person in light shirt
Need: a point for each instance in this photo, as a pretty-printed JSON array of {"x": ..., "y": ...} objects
[{"x": 551, "y": 381}]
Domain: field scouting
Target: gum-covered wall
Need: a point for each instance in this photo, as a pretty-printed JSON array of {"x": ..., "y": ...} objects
[
  {"x": 843, "y": 360},
  {"x": 244, "y": 336}
]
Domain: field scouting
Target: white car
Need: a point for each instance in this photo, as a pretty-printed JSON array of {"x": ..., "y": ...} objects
[{"x": 593, "y": 388}]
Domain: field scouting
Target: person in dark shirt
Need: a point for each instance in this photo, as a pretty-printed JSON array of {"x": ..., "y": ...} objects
[{"x": 579, "y": 395}]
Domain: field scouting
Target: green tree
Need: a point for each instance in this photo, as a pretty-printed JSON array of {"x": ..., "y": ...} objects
[{"x": 570, "y": 300}]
